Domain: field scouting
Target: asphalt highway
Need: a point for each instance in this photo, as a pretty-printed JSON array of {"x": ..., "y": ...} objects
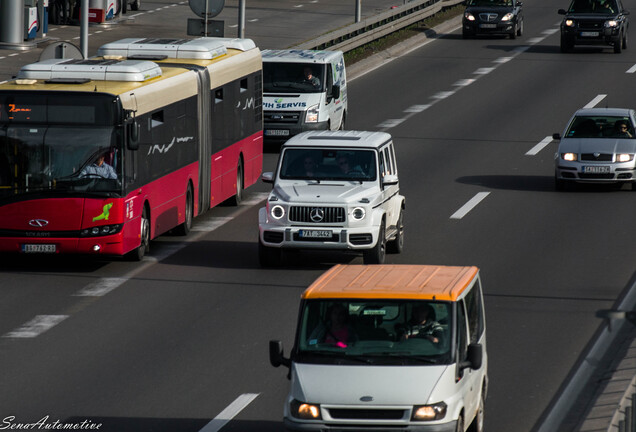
[{"x": 179, "y": 342}]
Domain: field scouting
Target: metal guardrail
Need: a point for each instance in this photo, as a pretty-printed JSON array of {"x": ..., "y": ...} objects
[{"x": 377, "y": 26}]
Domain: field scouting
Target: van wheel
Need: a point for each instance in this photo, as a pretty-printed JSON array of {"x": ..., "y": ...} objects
[
  {"x": 342, "y": 121},
  {"x": 396, "y": 246},
  {"x": 144, "y": 247},
  {"x": 238, "y": 197},
  {"x": 460, "y": 424},
  {"x": 478, "y": 421},
  {"x": 135, "y": 5},
  {"x": 185, "y": 227},
  {"x": 378, "y": 253}
]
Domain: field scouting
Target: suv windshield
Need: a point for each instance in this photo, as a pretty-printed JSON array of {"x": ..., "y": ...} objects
[
  {"x": 600, "y": 127},
  {"x": 486, "y": 3},
  {"x": 293, "y": 77},
  {"x": 607, "y": 7},
  {"x": 331, "y": 164},
  {"x": 376, "y": 331}
]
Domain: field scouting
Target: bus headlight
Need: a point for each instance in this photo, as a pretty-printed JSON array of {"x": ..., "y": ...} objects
[
  {"x": 312, "y": 114},
  {"x": 429, "y": 412},
  {"x": 102, "y": 230},
  {"x": 305, "y": 411}
]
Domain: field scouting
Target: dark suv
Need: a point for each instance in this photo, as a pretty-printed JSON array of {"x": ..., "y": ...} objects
[
  {"x": 503, "y": 17},
  {"x": 594, "y": 22}
]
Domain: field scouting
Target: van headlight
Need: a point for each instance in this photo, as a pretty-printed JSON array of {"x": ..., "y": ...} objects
[
  {"x": 277, "y": 211},
  {"x": 304, "y": 411},
  {"x": 429, "y": 412},
  {"x": 312, "y": 114},
  {"x": 358, "y": 213}
]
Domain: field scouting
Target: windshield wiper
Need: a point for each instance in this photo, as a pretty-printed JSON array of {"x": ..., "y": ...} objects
[{"x": 403, "y": 356}]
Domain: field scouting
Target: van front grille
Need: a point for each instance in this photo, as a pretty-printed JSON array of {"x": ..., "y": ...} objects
[{"x": 366, "y": 414}]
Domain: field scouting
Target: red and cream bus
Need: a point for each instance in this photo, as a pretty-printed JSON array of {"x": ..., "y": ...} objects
[{"x": 179, "y": 121}]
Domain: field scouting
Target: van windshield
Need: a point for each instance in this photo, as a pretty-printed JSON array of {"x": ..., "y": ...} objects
[
  {"x": 387, "y": 332},
  {"x": 293, "y": 77}
]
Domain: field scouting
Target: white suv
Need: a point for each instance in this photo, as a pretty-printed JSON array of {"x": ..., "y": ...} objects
[{"x": 333, "y": 190}]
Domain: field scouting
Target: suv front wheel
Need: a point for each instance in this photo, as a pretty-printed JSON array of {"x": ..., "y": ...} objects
[{"x": 378, "y": 252}]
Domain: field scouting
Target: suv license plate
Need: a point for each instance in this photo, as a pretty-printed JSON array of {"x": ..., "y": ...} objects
[
  {"x": 277, "y": 132},
  {"x": 589, "y": 34},
  {"x": 323, "y": 234},
  {"x": 596, "y": 169},
  {"x": 39, "y": 248},
  {"x": 488, "y": 25}
]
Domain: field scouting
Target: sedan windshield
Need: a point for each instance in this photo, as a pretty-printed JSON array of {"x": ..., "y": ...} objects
[
  {"x": 375, "y": 332},
  {"x": 41, "y": 159},
  {"x": 600, "y": 127},
  {"x": 332, "y": 164}
]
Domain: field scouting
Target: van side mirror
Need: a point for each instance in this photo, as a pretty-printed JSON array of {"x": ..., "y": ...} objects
[
  {"x": 335, "y": 91},
  {"x": 267, "y": 177},
  {"x": 556, "y": 136},
  {"x": 474, "y": 358},
  {"x": 276, "y": 357},
  {"x": 132, "y": 131}
]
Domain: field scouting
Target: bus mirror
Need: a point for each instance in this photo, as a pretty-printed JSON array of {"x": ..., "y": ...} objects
[{"x": 132, "y": 130}]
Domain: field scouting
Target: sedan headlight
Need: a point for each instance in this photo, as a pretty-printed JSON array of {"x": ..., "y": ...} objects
[
  {"x": 277, "y": 211},
  {"x": 611, "y": 23},
  {"x": 569, "y": 157},
  {"x": 624, "y": 157},
  {"x": 305, "y": 411},
  {"x": 469, "y": 16},
  {"x": 312, "y": 114},
  {"x": 429, "y": 412},
  {"x": 569, "y": 23},
  {"x": 508, "y": 16}
]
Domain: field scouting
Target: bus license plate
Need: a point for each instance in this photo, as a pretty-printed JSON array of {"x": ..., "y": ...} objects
[
  {"x": 277, "y": 132},
  {"x": 596, "y": 169},
  {"x": 321, "y": 234},
  {"x": 39, "y": 248}
]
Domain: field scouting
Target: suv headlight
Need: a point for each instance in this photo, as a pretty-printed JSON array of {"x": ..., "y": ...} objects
[
  {"x": 358, "y": 213},
  {"x": 305, "y": 411},
  {"x": 611, "y": 23},
  {"x": 429, "y": 412},
  {"x": 277, "y": 211},
  {"x": 508, "y": 17},
  {"x": 469, "y": 16},
  {"x": 312, "y": 114},
  {"x": 569, "y": 23},
  {"x": 569, "y": 156}
]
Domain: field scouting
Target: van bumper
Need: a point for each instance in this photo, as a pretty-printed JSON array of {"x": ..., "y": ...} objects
[
  {"x": 283, "y": 131},
  {"x": 321, "y": 427}
]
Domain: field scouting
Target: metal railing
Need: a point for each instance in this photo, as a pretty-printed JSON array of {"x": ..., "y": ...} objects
[{"x": 372, "y": 28}]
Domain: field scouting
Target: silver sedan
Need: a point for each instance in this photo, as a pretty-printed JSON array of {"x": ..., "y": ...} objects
[{"x": 598, "y": 146}]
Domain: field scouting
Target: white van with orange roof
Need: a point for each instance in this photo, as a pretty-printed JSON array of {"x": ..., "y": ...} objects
[{"x": 388, "y": 347}]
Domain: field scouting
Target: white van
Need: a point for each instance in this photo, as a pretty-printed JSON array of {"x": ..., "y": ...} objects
[
  {"x": 303, "y": 90},
  {"x": 387, "y": 348}
]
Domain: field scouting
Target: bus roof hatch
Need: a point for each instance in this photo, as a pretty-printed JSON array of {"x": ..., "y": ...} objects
[
  {"x": 200, "y": 49},
  {"x": 98, "y": 70}
]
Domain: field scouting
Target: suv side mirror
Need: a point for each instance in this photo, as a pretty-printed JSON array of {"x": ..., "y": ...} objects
[
  {"x": 562, "y": 12},
  {"x": 474, "y": 358},
  {"x": 556, "y": 136},
  {"x": 267, "y": 177},
  {"x": 390, "y": 180},
  {"x": 276, "y": 357}
]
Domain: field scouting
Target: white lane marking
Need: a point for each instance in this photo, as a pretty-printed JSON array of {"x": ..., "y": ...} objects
[
  {"x": 469, "y": 205},
  {"x": 630, "y": 70},
  {"x": 298, "y": 6},
  {"x": 416, "y": 108},
  {"x": 211, "y": 224},
  {"x": 36, "y": 326},
  {"x": 483, "y": 71},
  {"x": 464, "y": 82},
  {"x": 595, "y": 101},
  {"x": 537, "y": 148},
  {"x": 502, "y": 60},
  {"x": 13, "y": 55},
  {"x": 101, "y": 287},
  {"x": 443, "y": 95},
  {"x": 535, "y": 41},
  {"x": 253, "y": 20},
  {"x": 521, "y": 49},
  {"x": 233, "y": 25},
  {"x": 254, "y": 199},
  {"x": 549, "y": 32},
  {"x": 230, "y": 412},
  {"x": 387, "y": 124}
]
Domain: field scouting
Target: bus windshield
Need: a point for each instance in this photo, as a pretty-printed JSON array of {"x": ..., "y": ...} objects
[
  {"x": 375, "y": 331},
  {"x": 37, "y": 158},
  {"x": 293, "y": 77}
]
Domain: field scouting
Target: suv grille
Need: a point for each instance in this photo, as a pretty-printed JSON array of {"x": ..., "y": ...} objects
[
  {"x": 317, "y": 214},
  {"x": 281, "y": 116},
  {"x": 590, "y": 25}
]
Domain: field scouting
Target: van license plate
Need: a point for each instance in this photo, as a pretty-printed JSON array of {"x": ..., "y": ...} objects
[
  {"x": 589, "y": 34},
  {"x": 596, "y": 169},
  {"x": 323, "y": 234},
  {"x": 39, "y": 248},
  {"x": 276, "y": 132}
]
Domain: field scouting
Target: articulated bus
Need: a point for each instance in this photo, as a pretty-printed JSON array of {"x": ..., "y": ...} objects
[{"x": 178, "y": 121}]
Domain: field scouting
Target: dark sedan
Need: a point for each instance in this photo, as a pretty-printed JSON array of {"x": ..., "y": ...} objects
[
  {"x": 594, "y": 22},
  {"x": 502, "y": 17}
]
